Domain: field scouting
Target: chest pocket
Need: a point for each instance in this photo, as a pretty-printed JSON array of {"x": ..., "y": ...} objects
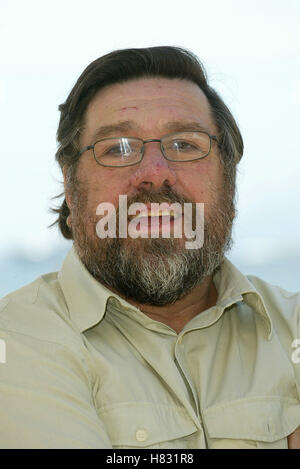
[
  {"x": 259, "y": 423},
  {"x": 145, "y": 425}
]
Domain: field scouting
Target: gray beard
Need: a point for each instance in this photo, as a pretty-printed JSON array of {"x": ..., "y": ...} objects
[{"x": 150, "y": 271}]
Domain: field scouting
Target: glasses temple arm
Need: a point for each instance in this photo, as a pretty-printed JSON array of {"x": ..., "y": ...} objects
[{"x": 89, "y": 147}]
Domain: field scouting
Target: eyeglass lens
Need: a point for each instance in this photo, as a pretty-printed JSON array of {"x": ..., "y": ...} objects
[{"x": 124, "y": 151}]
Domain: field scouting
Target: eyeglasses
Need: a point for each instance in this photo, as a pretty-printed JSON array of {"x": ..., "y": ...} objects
[{"x": 127, "y": 151}]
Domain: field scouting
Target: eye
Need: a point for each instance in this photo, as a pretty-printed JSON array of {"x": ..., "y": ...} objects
[
  {"x": 121, "y": 148},
  {"x": 114, "y": 150},
  {"x": 183, "y": 145}
]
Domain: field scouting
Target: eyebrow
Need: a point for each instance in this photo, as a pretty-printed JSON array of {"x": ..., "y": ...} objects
[
  {"x": 107, "y": 130},
  {"x": 186, "y": 126},
  {"x": 129, "y": 126}
]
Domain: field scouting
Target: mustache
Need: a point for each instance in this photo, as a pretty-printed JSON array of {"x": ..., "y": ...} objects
[
  {"x": 162, "y": 195},
  {"x": 166, "y": 194}
]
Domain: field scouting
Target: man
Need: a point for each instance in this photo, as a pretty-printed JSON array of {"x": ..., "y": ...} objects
[{"x": 146, "y": 341}]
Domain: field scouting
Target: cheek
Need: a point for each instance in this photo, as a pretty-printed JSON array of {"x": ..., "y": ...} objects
[
  {"x": 201, "y": 182},
  {"x": 104, "y": 185}
]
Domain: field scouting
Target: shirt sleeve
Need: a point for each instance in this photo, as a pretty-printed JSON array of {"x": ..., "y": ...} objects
[{"x": 46, "y": 397}]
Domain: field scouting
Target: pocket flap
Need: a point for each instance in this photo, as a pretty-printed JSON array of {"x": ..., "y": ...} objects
[
  {"x": 137, "y": 424},
  {"x": 262, "y": 419}
]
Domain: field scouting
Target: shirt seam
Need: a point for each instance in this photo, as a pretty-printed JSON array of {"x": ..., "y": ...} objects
[
  {"x": 33, "y": 337},
  {"x": 216, "y": 407},
  {"x": 107, "y": 409}
]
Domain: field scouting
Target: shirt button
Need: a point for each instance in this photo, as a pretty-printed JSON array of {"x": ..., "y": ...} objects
[{"x": 141, "y": 435}]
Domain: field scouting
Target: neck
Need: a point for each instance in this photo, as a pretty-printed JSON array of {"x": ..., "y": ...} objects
[{"x": 178, "y": 314}]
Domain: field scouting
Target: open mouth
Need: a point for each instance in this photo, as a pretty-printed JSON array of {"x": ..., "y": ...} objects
[{"x": 154, "y": 221}]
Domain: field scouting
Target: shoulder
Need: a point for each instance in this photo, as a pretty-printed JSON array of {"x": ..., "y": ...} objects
[
  {"x": 276, "y": 297},
  {"x": 37, "y": 310},
  {"x": 282, "y": 305}
]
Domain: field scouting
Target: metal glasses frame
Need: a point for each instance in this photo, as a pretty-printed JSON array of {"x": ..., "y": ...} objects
[{"x": 159, "y": 140}]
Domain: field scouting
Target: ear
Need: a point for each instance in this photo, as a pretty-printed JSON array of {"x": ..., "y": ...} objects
[{"x": 67, "y": 194}]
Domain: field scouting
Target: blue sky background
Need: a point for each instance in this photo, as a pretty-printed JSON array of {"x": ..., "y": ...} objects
[{"x": 251, "y": 50}]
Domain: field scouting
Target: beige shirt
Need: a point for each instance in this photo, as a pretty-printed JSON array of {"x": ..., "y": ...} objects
[{"x": 85, "y": 369}]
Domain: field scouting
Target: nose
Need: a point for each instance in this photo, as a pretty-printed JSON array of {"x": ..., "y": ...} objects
[{"x": 153, "y": 172}]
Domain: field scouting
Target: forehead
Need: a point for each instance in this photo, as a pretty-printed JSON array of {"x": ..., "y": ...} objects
[{"x": 149, "y": 103}]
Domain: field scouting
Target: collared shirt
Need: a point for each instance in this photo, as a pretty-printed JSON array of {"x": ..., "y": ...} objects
[{"x": 85, "y": 369}]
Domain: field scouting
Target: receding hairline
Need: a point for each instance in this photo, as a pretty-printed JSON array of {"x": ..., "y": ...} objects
[{"x": 106, "y": 130}]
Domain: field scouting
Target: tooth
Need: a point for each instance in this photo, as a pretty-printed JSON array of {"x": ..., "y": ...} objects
[{"x": 161, "y": 213}]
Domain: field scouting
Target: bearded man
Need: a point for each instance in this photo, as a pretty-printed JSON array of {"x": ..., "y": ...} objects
[{"x": 140, "y": 341}]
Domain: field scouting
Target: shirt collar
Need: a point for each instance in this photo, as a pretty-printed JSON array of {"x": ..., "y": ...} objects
[
  {"x": 86, "y": 298},
  {"x": 233, "y": 286}
]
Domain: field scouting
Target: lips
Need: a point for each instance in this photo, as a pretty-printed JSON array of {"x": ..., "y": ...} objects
[
  {"x": 152, "y": 213},
  {"x": 155, "y": 220}
]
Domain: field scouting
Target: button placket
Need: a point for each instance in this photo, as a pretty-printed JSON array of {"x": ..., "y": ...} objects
[{"x": 180, "y": 359}]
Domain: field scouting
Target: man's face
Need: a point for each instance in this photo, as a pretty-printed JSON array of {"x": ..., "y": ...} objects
[{"x": 149, "y": 109}]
